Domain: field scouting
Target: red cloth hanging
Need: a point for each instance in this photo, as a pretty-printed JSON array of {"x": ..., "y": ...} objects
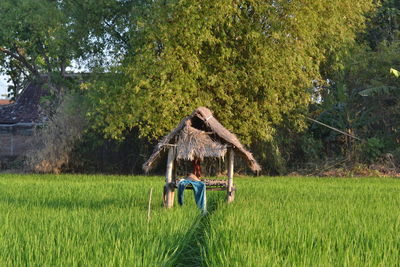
[{"x": 196, "y": 167}]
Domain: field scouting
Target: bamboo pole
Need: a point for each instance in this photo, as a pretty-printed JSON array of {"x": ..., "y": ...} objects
[
  {"x": 335, "y": 129},
  {"x": 230, "y": 191},
  {"x": 149, "y": 206},
  {"x": 169, "y": 190}
]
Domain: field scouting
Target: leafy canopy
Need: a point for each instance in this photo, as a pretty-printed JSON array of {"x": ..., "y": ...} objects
[
  {"x": 251, "y": 62},
  {"x": 47, "y": 36}
]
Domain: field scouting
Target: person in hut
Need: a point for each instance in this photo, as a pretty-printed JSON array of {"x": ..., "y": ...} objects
[
  {"x": 196, "y": 174},
  {"x": 197, "y": 167},
  {"x": 192, "y": 177}
]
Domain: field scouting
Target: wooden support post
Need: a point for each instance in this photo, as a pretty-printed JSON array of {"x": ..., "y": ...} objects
[
  {"x": 230, "y": 191},
  {"x": 174, "y": 172},
  {"x": 172, "y": 190},
  {"x": 169, "y": 189}
]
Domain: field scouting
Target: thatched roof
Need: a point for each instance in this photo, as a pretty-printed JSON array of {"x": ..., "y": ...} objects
[
  {"x": 193, "y": 143},
  {"x": 200, "y": 135}
]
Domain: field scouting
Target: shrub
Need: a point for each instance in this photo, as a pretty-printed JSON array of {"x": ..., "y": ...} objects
[
  {"x": 55, "y": 139},
  {"x": 372, "y": 149}
]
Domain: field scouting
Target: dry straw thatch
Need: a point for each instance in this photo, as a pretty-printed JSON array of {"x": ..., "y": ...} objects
[
  {"x": 200, "y": 135},
  {"x": 193, "y": 143}
]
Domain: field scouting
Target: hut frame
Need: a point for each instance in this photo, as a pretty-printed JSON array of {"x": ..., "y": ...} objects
[{"x": 199, "y": 135}]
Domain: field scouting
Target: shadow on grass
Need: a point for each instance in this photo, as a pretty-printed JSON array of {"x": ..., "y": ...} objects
[{"x": 192, "y": 250}]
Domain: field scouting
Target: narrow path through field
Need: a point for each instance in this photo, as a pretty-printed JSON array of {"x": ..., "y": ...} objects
[{"x": 192, "y": 251}]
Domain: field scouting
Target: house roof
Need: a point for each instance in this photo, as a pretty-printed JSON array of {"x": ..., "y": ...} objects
[
  {"x": 5, "y": 102},
  {"x": 26, "y": 108},
  {"x": 200, "y": 135}
]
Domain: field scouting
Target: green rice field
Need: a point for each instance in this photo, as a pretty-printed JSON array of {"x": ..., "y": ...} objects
[{"x": 81, "y": 220}]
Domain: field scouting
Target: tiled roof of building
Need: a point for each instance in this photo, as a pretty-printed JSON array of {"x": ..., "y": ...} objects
[
  {"x": 26, "y": 108},
  {"x": 5, "y": 102}
]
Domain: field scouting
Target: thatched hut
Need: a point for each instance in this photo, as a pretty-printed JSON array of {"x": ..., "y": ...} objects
[{"x": 199, "y": 136}]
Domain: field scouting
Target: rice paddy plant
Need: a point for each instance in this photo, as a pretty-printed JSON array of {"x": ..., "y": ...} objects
[
  {"x": 307, "y": 222},
  {"x": 192, "y": 250},
  {"x": 72, "y": 220}
]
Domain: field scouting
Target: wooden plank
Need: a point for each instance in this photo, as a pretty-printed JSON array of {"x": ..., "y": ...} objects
[
  {"x": 212, "y": 188},
  {"x": 230, "y": 192},
  {"x": 208, "y": 182},
  {"x": 169, "y": 198}
]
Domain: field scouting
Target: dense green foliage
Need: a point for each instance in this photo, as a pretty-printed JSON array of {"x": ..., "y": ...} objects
[
  {"x": 47, "y": 37},
  {"x": 251, "y": 62},
  {"x": 363, "y": 98},
  {"x": 102, "y": 220},
  {"x": 34, "y": 33}
]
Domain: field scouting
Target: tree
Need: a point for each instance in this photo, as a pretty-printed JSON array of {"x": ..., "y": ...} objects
[
  {"x": 47, "y": 36},
  {"x": 35, "y": 34},
  {"x": 384, "y": 25},
  {"x": 375, "y": 92},
  {"x": 363, "y": 97},
  {"x": 251, "y": 62}
]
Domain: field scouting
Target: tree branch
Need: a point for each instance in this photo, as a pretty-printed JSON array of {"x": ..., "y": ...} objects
[
  {"x": 46, "y": 58},
  {"x": 120, "y": 36},
  {"x": 63, "y": 67},
  {"x": 21, "y": 59}
]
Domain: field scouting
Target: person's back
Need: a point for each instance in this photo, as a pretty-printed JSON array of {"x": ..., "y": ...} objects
[{"x": 192, "y": 177}]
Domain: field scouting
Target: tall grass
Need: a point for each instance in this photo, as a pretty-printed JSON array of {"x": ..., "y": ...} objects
[
  {"x": 308, "y": 222},
  {"x": 87, "y": 220}
]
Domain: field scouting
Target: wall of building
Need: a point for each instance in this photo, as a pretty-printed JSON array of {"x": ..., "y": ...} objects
[{"x": 15, "y": 140}]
